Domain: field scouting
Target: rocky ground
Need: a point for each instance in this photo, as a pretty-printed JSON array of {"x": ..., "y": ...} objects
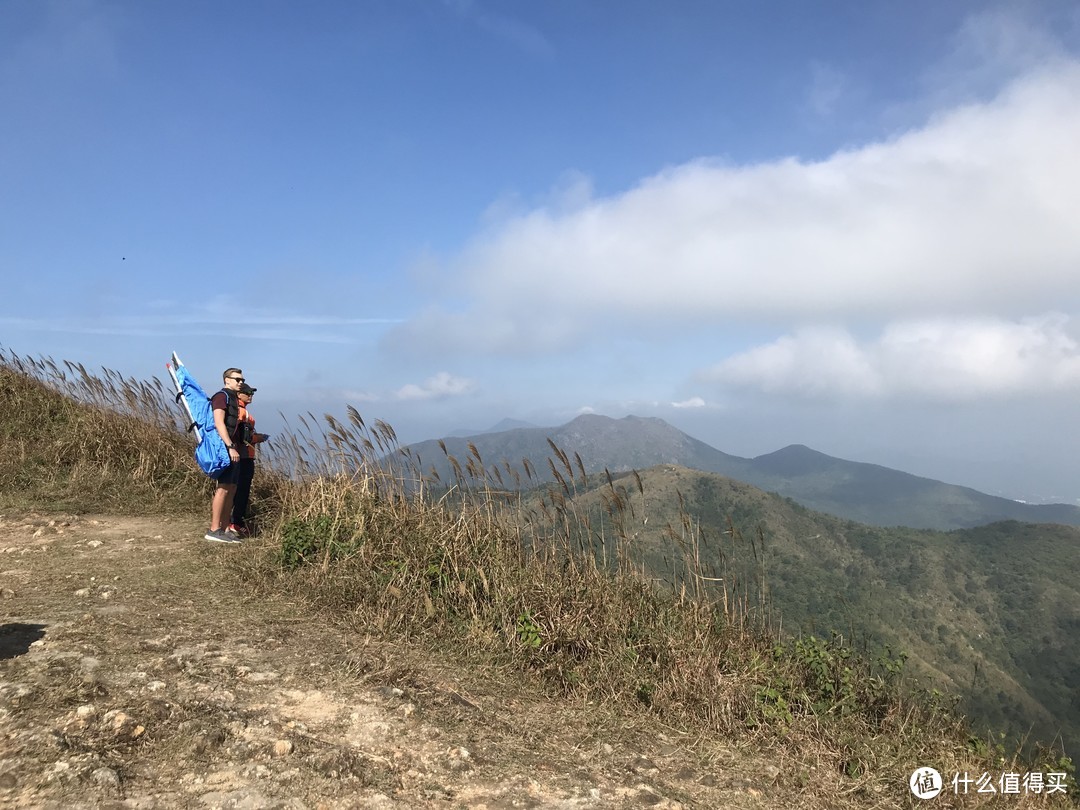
[{"x": 136, "y": 671}]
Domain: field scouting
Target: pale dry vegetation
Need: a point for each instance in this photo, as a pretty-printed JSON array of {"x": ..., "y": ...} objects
[{"x": 508, "y": 578}]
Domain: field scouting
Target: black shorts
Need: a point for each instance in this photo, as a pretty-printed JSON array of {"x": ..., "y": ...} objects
[{"x": 230, "y": 475}]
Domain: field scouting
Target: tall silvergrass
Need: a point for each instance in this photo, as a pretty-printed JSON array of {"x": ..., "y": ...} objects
[
  {"x": 496, "y": 567},
  {"x": 73, "y": 439}
]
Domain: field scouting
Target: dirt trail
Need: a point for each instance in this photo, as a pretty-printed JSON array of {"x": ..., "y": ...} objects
[{"x": 136, "y": 672}]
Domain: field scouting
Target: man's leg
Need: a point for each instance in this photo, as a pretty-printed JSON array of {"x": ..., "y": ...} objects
[
  {"x": 221, "y": 506},
  {"x": 243, "y": 492}
]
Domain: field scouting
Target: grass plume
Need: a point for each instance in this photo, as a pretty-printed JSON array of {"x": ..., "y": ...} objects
[{"x": 532, "y": 580}]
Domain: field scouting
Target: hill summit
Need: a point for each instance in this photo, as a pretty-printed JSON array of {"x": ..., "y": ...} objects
[{"x": 868, "y": 493}]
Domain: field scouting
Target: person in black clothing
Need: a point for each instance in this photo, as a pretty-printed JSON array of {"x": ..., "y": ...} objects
[{"x": 249, "y": 438}]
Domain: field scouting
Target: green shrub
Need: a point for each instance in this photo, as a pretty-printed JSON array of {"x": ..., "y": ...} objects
[{"x": 307, "y": 539}]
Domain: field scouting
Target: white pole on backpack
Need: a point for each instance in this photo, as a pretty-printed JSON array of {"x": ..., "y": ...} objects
[{"x": 180, "y": 395}]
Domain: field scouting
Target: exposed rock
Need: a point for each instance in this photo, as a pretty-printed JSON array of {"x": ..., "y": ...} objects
[
  {"x": 14, "y": 695},
  {"x": 122, "y": 725},
  {"x": 644, "y": 766},
  {"x": 106, "y": 778}
]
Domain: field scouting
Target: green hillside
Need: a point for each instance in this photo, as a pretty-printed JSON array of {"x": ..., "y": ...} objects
[{"x": 989, "y": 613}]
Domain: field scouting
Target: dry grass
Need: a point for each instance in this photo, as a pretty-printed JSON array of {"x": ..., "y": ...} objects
[
  {"x": 535, "y": 584},
  {"x": 531, "y": 585},
  {"x": 106, "y": 443}
]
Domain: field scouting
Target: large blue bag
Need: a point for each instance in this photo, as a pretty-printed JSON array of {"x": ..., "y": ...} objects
[{"x": 210, "y": 453}]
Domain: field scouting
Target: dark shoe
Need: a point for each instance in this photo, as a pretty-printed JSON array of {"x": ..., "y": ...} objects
[{"x": 221, "y": 536}]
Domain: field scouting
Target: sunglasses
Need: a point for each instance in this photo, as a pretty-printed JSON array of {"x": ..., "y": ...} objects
[{"x": 238, "y": 379}]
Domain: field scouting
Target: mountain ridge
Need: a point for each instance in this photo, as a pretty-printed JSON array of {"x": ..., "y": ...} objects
[{"x": 861, "y": 491}]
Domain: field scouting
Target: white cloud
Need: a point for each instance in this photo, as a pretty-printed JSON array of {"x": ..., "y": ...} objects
[
  {"x": 354, "y": 395},
  {"x": 990, "y": 47},
  {"x": 514, "y": 32},
  {"x": 441, "y": 386},
  {"x": 938, "y": 360},
  {"x": 295, "y": 330},
  {"x": 975, "y": 212},
  {"x": 827, "y": 87},
  {"x": 692, "y": 402}
]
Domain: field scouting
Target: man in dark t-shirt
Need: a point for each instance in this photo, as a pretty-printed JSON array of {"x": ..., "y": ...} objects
[{"x": 226, "y": 409}]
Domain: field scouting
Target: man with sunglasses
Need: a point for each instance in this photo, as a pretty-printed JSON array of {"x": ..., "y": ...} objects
[{"x": 226, "y": 407}]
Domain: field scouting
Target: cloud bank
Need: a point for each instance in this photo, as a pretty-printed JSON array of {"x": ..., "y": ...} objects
[
  {"x": 938, "y": 360},
  {"x": 440, "y": 386},
  {"x": 973, "y": 213}
]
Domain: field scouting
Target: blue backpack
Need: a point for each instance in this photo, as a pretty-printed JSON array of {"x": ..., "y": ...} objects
[{"x": 210, "y": 453}]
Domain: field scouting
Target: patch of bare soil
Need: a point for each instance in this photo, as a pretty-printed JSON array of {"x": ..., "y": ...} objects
[{"x": 136, "y": 672}]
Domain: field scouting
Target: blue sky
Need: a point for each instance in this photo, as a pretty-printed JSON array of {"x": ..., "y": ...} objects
[{"x": 851, "y": 225}]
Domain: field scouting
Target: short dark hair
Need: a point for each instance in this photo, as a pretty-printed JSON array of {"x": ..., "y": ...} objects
[{"x": 230, "y": 371}]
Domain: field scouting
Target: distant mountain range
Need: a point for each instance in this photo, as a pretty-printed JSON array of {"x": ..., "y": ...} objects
[
  {"x": 501, "y": 426},
  {"x": 980, "y": 591},
  {"x": 867, "y": 493}
]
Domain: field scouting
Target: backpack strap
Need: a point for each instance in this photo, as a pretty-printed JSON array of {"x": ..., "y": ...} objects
[
  {"x": 180, "y": 396},
  {"x": 232, "y": 411}
]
